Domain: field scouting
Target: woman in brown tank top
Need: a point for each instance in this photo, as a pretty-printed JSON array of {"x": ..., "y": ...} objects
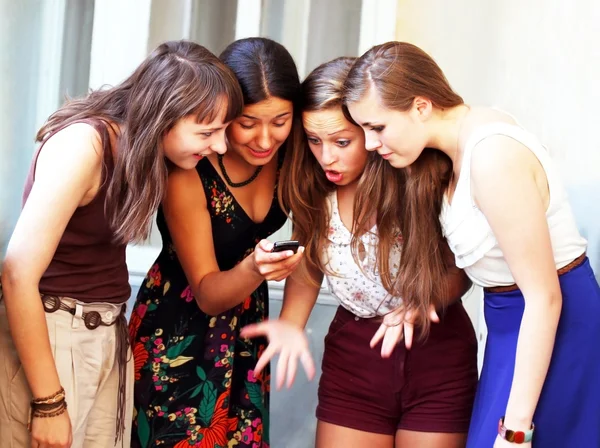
[{"x": 94, "y": 188}]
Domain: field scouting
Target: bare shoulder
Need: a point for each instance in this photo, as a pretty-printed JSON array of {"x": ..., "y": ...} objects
[
  {"x": 500, "y": 155},
  {"x": 184, "y": 180},
  {"x": 77, "y": 145},
  {"x": 184, "y": 188},
  {"x": 496, "y": 153},
  {"x": 479, "y": 116}
]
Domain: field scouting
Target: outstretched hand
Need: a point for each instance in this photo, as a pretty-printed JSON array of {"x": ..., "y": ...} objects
[
  {"x": 396, "y": 325},
  {"x": 290, "y": 342}
]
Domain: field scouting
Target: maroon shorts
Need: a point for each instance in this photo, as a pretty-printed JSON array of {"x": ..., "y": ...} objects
[{"x": 429, "y": 388}]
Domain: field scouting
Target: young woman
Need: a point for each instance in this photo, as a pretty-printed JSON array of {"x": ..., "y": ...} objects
[
  {"x": 510, "y": 226},
  {"x": 417, "y": 398},
  {"x": 194, "y": 381},
  {"x": 96, "y": 180}
]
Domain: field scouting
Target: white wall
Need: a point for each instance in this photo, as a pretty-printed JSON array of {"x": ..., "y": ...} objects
[
  {"x": 26, "y": 90},
  {"x": 539, "y": 59}
]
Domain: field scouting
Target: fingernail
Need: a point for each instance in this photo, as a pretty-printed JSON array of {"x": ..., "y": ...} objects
[{"x": 301, "y": 249}]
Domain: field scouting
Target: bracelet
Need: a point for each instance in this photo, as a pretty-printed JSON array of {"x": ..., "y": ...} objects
[
  {"x": 515, "y": 436},
  {"x": 46, "y": 411},
  {"x": 54, "y": 398}
]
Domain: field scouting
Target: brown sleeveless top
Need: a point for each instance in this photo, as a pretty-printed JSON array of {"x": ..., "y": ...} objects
[{"x": 87, "y": 265}]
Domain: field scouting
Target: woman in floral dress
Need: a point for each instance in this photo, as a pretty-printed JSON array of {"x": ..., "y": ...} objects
[{"x": 194, "y": 374}]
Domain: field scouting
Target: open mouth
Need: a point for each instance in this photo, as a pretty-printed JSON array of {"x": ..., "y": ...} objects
[{"x": 334, "y": 176}]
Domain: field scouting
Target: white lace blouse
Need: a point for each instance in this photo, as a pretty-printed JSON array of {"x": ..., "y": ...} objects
[{"x": 358, "y": 290}]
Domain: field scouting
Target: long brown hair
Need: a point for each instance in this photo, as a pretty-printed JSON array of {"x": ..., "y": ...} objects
[
  {"x": 399, "y": 72},
  {"x": 178, "y": 79}
]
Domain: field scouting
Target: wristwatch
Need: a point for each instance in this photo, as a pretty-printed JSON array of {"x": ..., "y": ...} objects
[{"x": 514, "y": 436}]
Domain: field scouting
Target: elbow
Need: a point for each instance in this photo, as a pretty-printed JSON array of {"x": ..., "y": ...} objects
[
  {"x": 209, "y": 309},
  {"x": 555, "y": 304},
  {"x": 550, "y": 306},
  {"x": 207, "y": 306},
  {"x": 10, "y": 280}
]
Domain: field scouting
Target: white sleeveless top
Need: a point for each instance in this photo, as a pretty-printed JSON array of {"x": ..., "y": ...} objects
[
  {"x": 361, "y": 293},
  {"x": 469, "y": 234}
]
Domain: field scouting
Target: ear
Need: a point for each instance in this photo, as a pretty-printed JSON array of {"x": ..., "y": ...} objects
[{"x": 422, "y": 107}]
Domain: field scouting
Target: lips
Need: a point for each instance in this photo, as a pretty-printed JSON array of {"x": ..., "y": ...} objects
[
  {"x": 386, "y": 156},
  {"x": 334, "y": 176},
  {"x": 261, "y": 154}
]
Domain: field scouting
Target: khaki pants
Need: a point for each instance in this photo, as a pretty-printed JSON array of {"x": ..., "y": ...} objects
[{"x": 87, "y": 369}]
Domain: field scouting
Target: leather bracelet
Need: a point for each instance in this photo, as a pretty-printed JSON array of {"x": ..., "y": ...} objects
[
  {"x": 54, "y": 398},
  {"x": 517, "y": 437},
  {"x": 46, "y": 411}
]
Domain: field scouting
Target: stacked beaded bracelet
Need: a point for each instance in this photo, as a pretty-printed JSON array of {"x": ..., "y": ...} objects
[
  {"x": 515, "y": 436},
  {"x": 46, "y": 407}
]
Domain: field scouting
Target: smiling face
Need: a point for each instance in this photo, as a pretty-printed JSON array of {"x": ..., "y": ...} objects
[
  {"x": 261, "y": 130},
  {"x": 188, "y": 141},
  {"x": 337, "y": 144},
  {"x": 399, "y": 137}
]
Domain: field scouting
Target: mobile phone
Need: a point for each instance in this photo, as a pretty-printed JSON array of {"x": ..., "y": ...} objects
[{"x": 280, "y": 246}]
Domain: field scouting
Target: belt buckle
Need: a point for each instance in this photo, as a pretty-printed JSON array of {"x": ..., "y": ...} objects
[
  {"x": 92, "y": 320},
  {"x": 51, "y": 303}
]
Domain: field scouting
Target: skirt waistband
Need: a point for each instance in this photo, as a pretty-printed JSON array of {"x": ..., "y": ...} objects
[{"x": 565, "y": 269}]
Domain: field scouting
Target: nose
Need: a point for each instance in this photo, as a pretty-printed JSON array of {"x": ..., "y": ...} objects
[
  {"x": 264, "y": 140},
  {"x": 328, "y": 155},
  {"x": 372, "y": 142},
  {"x": 220, "y": 145}
]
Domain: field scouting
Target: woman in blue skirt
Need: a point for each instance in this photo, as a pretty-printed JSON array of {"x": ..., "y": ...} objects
[{"x": 506, "y": 217}]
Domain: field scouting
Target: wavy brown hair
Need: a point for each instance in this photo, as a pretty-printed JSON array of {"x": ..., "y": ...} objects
[
  {"x": 306, "y": 189},
  {"x": 399, "y": 72},
  {"x": 178, "y": 79}
]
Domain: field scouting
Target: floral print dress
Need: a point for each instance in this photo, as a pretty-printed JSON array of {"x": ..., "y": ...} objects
[{"x": 194, "y": 382}]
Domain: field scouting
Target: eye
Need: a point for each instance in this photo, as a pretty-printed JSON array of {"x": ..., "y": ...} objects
[
  {"x": 246, "y": 126},
  {"x": 313, "y": 141},
  {"x": 206, "y": 134},
  {"x": 377, "y": 128},
  {"x": 280, "y": 124},
  {"x": 343, "y": 143}
]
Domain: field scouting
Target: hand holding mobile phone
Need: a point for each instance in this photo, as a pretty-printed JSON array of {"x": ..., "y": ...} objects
[{"x": 280, "y": 246}]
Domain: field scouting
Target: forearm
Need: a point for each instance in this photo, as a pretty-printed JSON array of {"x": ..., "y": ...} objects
[
  {"x": 223, "y": 290},
  {"x": 298, "y": 301},
  {"x": 27, "y": 322},
  {"x": 534, "y": 351}
]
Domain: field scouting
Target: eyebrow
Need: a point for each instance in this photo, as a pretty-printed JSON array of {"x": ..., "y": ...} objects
[
  {"x": 211, "y": 129},
  {"x": 341, "y": 130},
  {"x": 255, "y": 118}
]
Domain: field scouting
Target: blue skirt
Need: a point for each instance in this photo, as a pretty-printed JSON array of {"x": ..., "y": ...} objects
[{"x": 568, "y": 412}]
